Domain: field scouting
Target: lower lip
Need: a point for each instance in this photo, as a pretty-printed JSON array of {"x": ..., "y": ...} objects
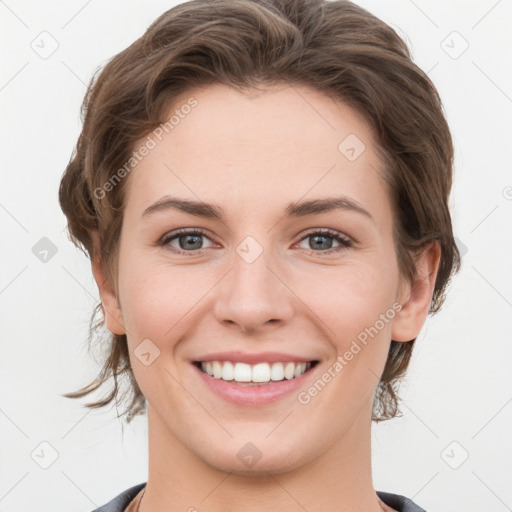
[{"x": 254, "y": 395}]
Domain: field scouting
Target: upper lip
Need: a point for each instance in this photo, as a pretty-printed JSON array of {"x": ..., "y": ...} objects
[{"x": 248, "y": 358}]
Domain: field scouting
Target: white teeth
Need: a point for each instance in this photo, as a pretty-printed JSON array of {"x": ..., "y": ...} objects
[
  {"x": 299, "y": 370},
  {"x": 289, "y": 370},
  {"x": 261, "y": 372},
  {"x": 228, "y": 371},
  {"x": 217, "y": 369},
  {"x": 242, "y": 372},
  {"x": 277, "y": 372}
]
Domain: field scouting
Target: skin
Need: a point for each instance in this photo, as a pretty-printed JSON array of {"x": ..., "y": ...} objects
[{"x": 252, "y": 155}]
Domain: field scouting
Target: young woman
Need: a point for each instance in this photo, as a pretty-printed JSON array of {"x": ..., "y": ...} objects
[{"x": 262, "y": 188}]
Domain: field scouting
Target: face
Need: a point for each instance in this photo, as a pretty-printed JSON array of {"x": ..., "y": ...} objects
[{"x": 264, "y": 279}]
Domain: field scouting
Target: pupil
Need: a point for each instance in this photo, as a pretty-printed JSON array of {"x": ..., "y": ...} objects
[
  {"x": 190, "y": 245},
  {"x": 323, "y": 237}
]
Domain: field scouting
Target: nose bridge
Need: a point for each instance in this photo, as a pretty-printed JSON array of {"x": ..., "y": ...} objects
[{"x": 252, "y": 293}]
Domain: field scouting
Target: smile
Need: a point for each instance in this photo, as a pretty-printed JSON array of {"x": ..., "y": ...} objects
[
  {"x": 256, "y": 385},
  {"x": 260, "y": 373}
]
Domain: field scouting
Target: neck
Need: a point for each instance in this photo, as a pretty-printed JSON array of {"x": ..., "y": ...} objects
[{"x": 339, "y": 479}]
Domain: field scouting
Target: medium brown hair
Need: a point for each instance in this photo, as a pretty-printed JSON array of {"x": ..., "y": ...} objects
[{"x": 336, "y": 47}]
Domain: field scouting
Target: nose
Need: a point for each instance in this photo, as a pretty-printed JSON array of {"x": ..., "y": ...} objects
[{"x": 253, "y": 295}]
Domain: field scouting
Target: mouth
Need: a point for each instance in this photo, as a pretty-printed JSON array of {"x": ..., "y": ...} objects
[{"x": 260, "y": 374}]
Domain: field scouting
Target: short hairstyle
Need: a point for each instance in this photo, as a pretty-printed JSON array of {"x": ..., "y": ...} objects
[{"x": 336, "y": 47}]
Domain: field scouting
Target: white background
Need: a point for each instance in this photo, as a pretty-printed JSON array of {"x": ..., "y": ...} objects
[{"x": 459, "y": 383}]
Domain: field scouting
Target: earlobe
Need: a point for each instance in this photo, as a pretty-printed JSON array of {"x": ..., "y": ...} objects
[
  {"x": 112, "y": 312},
  {"x": 416, "y": 297}
]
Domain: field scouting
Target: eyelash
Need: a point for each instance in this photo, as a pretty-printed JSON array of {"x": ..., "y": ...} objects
[{"x": 345, "y": 242}]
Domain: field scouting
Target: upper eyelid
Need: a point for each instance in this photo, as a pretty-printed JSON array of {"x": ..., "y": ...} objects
[{"x": 326, "y": 231}]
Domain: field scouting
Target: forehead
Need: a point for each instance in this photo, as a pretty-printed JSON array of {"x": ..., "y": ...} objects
[{"x": 277, "y": 145}]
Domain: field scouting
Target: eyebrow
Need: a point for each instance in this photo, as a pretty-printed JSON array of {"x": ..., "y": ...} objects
[{"x": 298, "y": 209}]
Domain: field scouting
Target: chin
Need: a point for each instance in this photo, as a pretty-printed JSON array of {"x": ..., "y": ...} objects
[{"x": 275, "y": 462}]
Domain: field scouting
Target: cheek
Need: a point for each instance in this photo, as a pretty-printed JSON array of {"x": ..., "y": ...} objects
[
  {"x": 160, "y": 304},
  {"x": 355, "y": 308},
  {"x": 157, "y": 298},
  {"x": 349, "y": 298}
]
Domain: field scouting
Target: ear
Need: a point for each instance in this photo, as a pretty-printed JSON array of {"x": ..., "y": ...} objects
[
  {"x": 113, "y": 314},
  {"x": 415, "y": 298}
]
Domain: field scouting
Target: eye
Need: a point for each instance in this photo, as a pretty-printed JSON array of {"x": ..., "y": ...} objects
[
  {"x": 322, "y": 240},
  {"x": 189, "y": 241}
]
